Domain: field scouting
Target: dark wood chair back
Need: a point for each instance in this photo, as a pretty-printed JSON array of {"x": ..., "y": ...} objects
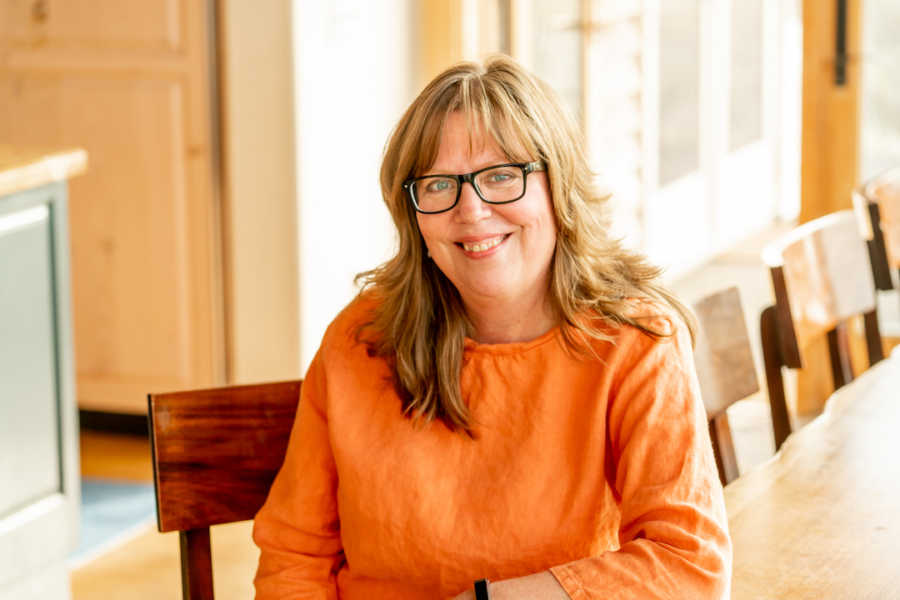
[
  {"x": 215, "y": 453},
  {"x": 725, "y": 368},
  {"x": 884, "y": 191},
  {"x": 877, "y": 204},
  {"x": 821, "y": 276}
]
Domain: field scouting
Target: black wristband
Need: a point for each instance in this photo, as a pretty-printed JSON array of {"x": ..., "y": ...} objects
[{"x": 481, "y": 590}]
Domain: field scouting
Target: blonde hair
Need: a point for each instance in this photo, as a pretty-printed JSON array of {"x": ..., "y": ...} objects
[{"x": 419, "y": 324}]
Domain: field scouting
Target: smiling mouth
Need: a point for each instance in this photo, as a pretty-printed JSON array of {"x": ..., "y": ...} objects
[{"x": 483, "y": 245}]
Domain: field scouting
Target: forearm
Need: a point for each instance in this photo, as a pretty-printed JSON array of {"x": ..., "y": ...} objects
[{"x": 648, "y": 569}]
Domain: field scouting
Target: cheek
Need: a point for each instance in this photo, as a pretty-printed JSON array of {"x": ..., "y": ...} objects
[
  {"x": 540, "y": 221},
  {"x": 425, "y": 228},
  {"x": 545, "y": 236},
  {"x": 433, "y": 230}
]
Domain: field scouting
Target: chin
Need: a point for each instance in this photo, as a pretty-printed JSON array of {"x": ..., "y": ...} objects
[{"x": 490, "y": 290}]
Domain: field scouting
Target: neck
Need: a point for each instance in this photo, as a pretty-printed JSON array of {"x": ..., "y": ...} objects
[{"x": 510, "y": 321}]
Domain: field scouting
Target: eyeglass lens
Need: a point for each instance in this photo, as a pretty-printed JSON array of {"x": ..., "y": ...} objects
[{"x": 500, "y": 184}]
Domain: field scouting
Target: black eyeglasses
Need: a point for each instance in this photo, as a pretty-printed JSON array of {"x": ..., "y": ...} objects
[{"x": 497, "y": 184}]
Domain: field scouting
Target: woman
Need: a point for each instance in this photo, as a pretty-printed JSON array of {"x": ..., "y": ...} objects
[{"x": 510, "y": 398}]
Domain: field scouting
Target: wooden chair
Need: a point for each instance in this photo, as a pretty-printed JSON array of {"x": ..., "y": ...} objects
[
  {"x": 725, "y": 369},
  {"x": 877, "y": 205},
  {"x": 215, "y": 453},
  {"x": 821, "y": 277}
]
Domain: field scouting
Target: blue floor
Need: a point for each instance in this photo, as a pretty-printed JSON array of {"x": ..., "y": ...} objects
[{"x": 109, "y": 511}]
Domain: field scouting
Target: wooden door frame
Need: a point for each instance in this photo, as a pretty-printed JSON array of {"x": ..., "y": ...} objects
[{"x": 830, "y": 130}]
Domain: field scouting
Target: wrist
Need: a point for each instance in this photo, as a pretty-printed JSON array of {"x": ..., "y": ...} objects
[{"x": 482, "y": 590}]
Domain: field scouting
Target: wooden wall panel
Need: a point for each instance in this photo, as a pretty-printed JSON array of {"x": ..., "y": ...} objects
[
  {"x": 829, "y": 150},
  {"x": 126, "y": 25},
  {"x": 830, "y": 137},
  {"x": 441, "y": 37},
  {"x": 130, "y": 82}
]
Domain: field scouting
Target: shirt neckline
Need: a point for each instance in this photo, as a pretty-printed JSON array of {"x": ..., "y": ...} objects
[{"x": 470, "y": 345}]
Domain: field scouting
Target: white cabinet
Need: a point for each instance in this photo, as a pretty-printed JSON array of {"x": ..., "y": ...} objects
[{"x": 39, "y": 483}]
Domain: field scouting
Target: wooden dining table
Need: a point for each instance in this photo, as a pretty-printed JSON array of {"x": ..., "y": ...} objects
[{"x": 821, "y": 518}]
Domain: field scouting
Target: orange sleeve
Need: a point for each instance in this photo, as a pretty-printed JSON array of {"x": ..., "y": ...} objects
[
  {"x": 673, "y": 533},
  {"x": 297, "y": 529}
]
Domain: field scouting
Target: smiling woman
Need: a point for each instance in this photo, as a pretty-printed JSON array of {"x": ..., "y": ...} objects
[
  {"x": 511, "y": 397},
  {"x": 496, "y": 254}
]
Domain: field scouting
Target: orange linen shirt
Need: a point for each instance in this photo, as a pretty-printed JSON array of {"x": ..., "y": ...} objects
[{"x": 599, "y": 470}]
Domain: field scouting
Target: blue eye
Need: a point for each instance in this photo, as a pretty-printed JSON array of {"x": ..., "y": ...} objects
[
  {"x": 436, "y": 186},
  {"x": 501, "y": 177}
]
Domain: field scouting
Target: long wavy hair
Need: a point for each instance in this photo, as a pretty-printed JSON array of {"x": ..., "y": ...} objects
[{"x": 418, "y": 321}]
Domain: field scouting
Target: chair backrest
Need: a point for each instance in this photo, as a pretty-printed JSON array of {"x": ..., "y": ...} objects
[
  {"x": 821, "y": 276},
  {"x": 725, "y": 368},
  {"x": 215, "y": 453},
  {"x": 877, "y": 205},
  {"x": 884, "y": 191}
]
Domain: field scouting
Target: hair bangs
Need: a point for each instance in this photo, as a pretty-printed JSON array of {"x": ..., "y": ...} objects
[{"x": 491, "y": 114}]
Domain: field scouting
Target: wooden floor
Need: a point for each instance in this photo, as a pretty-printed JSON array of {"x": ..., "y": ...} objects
[
  {"x": 147, "y": 566},
  {"x": 112, "y": 456}
]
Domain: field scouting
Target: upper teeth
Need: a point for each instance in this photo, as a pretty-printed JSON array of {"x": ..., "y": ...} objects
[{"x": 483, "y": 244}]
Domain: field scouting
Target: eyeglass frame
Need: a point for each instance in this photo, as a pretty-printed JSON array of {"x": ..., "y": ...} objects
[{"x": 527, "y": 169}]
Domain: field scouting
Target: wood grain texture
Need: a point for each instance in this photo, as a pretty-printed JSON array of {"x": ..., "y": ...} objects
[
  {"x": 443, "y": 44},
  {"x": 821, "y": 276},
  {"x": 131, "y": 83},
  {"x": 839, "y": 356},
  {"x": 773, "y": 361},
  {"x": 722, "y": 353},
  {"x": 830, "y": 128},
  {"x": 881, "y": 195},
  {"x": 884, "y": 191},
  {"x": 723, "y": 448},
  {"x": 725, "y": 369},
  {"x": 869, "y": 219},
  {"x": 23, "y": 168},
  {"x": 216, "y": 452},
  {"x": 115, "y": 456},
  {"x": 820, "y": 519},
  {"x": 196, "y": 564}
]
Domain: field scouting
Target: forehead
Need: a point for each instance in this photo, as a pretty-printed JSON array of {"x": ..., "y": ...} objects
[
  {"x": 464, "y": 139},
  {"x": 467, "y": 143}
]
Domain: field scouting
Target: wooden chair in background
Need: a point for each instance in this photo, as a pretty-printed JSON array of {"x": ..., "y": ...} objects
[
  {"x": 821, "y": 277},
  {"x": 215, "y": 453},
  {"x": 877, "y": 205},
  {"x": 725, "y": 368}
]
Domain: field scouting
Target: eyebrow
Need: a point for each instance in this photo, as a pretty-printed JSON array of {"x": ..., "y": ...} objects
[{"x": 486, "y": 164}]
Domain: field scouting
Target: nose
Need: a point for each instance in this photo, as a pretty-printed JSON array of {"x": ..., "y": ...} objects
[{"x": 471, "y": 208}]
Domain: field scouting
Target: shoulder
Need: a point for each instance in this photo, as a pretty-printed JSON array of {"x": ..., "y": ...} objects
[
  {"x": 658, "y": 344},
  {"x": 653, "y": 367},
  {"x": 641, "y": 321},
  {"x": 642, "y": 337},
  {"x": 655, "y": 316}
]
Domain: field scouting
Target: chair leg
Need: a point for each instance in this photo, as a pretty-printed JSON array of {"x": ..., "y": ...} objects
[
  {"x": 881, "y": 271},
  {"x": 839, "y": 352},
  {"x": 723, "y": 448},
  {"x": 196, "y": 564},
  {"x": 781, "y": 422},
  {"x": 873, "y": 337}
]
